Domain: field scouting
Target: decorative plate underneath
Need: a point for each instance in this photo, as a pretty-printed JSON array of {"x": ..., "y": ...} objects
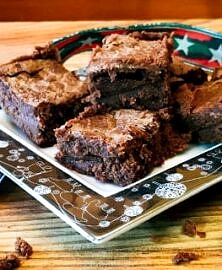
[{"x": 97, "y": 217}]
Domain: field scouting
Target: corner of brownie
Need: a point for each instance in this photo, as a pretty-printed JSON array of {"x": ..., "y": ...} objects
[
  {"x": 40, "y": 95},
  {"x": 49, "y": 51}
]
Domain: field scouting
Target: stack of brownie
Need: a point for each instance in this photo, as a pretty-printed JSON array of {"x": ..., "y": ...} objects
[
  {"x": 132, "y": 131},
  {"x": 136, "y": 108}
]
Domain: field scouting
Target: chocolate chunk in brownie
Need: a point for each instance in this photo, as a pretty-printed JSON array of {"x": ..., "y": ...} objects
[
  {"x": 40, "y": 95},
  {"x": 121, "y": 146},
  {"x": 200, "y": 108},
  {"x": 129, "y": 71}
]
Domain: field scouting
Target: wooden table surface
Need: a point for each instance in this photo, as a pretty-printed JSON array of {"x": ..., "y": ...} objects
[{"x": 57, "y": 246}]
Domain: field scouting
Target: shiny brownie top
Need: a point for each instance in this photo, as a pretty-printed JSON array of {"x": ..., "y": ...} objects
[
  {"x": 131, "y": 52},
  {"x": 118, "y": 129},
  {"x": 36, "y": 81}
]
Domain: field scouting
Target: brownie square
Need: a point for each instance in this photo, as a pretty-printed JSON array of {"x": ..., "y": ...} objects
[
  {"x": 200, "y": 108},
  {"x": 120, "y": 147},
  {"x": 131, "y": 71},
  {"x": 39, "y": 95}
]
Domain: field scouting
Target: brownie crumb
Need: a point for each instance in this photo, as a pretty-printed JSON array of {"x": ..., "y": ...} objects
[
  {"x": 23, "y": 248},
  {"x": 201, "y": 234},
  {"x": 184, "y": 257},
  {"x": 11, "y": 261},
  {"x": 189, "y": 228}
]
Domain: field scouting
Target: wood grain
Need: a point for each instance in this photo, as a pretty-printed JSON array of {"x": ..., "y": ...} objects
[{"x": 57, "y": 246}]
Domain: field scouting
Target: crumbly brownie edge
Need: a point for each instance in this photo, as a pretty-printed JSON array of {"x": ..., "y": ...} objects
[{"x": 118, "y": 171}]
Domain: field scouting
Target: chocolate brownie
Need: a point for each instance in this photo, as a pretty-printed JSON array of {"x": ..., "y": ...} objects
[
  {"x": 121, "y": 146},
  {"x": 39, "y": 95},
  {"x": 188, "y": 73},
  {"x": 200, "y": 108},
  {"x": 131, "y": 71}
]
